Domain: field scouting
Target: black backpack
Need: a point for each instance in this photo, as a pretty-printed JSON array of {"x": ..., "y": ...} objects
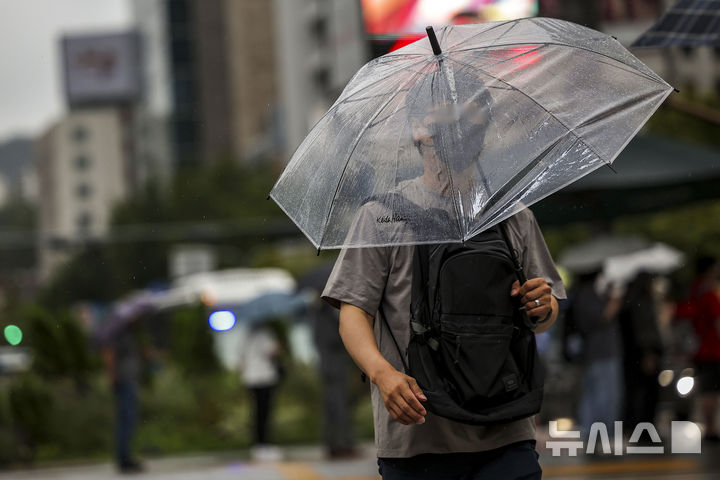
[{"x": 472, "y": 351}]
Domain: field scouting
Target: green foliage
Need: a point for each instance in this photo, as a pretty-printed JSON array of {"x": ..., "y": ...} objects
[
  {"x": 81, "y": 424},
  {"x": 90, "y": 275},
  {"x": 672, "y": 123},
  {"x": 150, "y": 222},
  {"x": 59, "y": 347},
  {"x": 30, "y": 409},
  {"x": 191, "y": 343}
]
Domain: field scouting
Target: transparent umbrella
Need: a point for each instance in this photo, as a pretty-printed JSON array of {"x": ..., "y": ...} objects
[{"x": 444, "y": 138}]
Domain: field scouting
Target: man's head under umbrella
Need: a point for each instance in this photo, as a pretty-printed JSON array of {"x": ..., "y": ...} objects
[{"x": 448, "y": 126}]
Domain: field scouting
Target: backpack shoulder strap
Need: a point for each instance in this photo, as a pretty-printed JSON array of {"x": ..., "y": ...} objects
[{"x": 519, "y": 271}]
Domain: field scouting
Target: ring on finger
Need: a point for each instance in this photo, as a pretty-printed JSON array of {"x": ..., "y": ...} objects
[{"x": 537, "y": 302}]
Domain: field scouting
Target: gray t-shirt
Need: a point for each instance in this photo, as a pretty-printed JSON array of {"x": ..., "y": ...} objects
[{"x": 364, "y": 277}]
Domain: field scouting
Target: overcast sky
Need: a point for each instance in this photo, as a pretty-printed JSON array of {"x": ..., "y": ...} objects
[{"x": 30, "y": 76}]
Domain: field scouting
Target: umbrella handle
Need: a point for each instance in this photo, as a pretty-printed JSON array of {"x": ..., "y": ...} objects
[{"x": 433, "y": 40}]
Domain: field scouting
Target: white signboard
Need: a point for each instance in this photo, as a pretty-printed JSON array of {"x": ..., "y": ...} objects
[{"x": 101, "y": 69}]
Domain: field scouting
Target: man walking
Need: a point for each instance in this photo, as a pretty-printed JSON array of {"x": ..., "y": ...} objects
[{"x": 412, "y": 442}]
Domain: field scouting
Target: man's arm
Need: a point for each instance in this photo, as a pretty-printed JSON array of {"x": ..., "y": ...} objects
[
  {"x": 545, "y": 309},
  {"x": 400, "y": 392}
]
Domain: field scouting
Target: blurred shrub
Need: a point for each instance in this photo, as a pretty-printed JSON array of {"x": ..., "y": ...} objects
[
  {"x": 30, "y": 409},
  {"x": 191, "y": 343},
  {"x": 60, "y": 348},
  {"x": 81, "y": 425}
]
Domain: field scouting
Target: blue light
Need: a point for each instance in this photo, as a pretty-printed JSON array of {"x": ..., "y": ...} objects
[{"x": 222, "y": 320}]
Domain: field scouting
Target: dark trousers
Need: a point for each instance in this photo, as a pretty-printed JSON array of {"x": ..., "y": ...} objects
[
  {"x": 642, "y": 393},
  {"x": 515, "y": 461},
  {"x": 263, "y": 398},
  {"x": 125, "y": 418}
]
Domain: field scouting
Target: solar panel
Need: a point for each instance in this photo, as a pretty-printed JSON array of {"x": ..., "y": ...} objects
[{"x": 688, "y": 23}]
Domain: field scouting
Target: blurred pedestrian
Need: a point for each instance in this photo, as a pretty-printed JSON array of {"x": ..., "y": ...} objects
[
  {"x": 261, "y": 374},
  {"x": 334, "y": 367},
  {"x": 122, "y": 356},
  {"x": 595, "y": 314},
  {"x": 642, "y": 350},
  {"x": 705, "y": 300}
]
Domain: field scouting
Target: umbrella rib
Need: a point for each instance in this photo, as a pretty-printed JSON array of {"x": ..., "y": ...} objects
[
  {"x": 569, "y": 130},
  {"x": 558, "y": 44},
  {"x": 500, "y": 24},
  {"x": 447, "y": 164},
  {"x": 507, "y": 186},
  {"x": 352, "y": 150},
  {"x": 333, "y": 109},
  {"x": 385, "y": 77}
]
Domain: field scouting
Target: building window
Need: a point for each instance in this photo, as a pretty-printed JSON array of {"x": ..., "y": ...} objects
[
  {"x": 83, "y": 191},
  {"x": 79, "y": 134},
  {"x": 82, "y": 162},
  {"x": 84, "y": 221}
]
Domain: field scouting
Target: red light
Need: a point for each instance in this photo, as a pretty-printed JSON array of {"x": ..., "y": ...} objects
[{"x": 405, "y": 40}]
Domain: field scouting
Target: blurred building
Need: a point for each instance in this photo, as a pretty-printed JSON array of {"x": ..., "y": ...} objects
[
  {"x": 151, "y": 132},
  {"x": 92, "y": 158},
  {"x": 81, "y": 170},
  {"x": 213, "y": 65},
  {"x": 320, "y": 44},
  {"x": 246, "y": 79}
]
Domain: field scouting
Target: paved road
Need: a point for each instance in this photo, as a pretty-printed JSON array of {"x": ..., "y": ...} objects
[{"x": 307, "y": 464}]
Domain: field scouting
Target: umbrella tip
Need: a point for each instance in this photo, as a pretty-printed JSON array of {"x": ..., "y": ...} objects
[
  {"x": 676, "y": 90},
  {"x": 433, "y": 40}
]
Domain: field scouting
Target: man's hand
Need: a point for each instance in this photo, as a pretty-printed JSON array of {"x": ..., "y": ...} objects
[
  {"x": 536, "y": 296},
  {"x": 402, "y": 396},
  {"x": 401, "y": 393}
]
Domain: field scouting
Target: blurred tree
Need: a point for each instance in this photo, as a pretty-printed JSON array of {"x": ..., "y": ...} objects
[
  {"x": 672, "y": 122},
  {"x": 146, "y": 225},
  {"x": 90, "y": 275},
  {"x": 59, "y": 347},
  {"x": 17, "y": 216}
]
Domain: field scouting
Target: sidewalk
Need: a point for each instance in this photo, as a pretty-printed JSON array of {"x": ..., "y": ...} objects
[
  {"x": 301, "y": 463},
  {"x": 308, "y": 463}
]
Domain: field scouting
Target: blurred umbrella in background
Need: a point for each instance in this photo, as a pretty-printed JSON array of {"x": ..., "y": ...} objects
[
  {"x": 513, "y": 110},
  {"x": 658, "y": 259},
  {"x": 288, "y": 305},
  {"x": 125, "y": 311},
  {"x": 689, "y": 23},
  {"x": 590, "y": 256}
]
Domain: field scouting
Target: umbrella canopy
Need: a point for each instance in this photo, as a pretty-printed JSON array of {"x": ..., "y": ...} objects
[
  {"x": 506, "y": 114},
  {"x": 689, "y": 23},
  {"x": 125, "y": 311},
  {"x": 269, "y": 305},
  {"x": 659, "y": 258},
  {"x": 590, "y": 256}
]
